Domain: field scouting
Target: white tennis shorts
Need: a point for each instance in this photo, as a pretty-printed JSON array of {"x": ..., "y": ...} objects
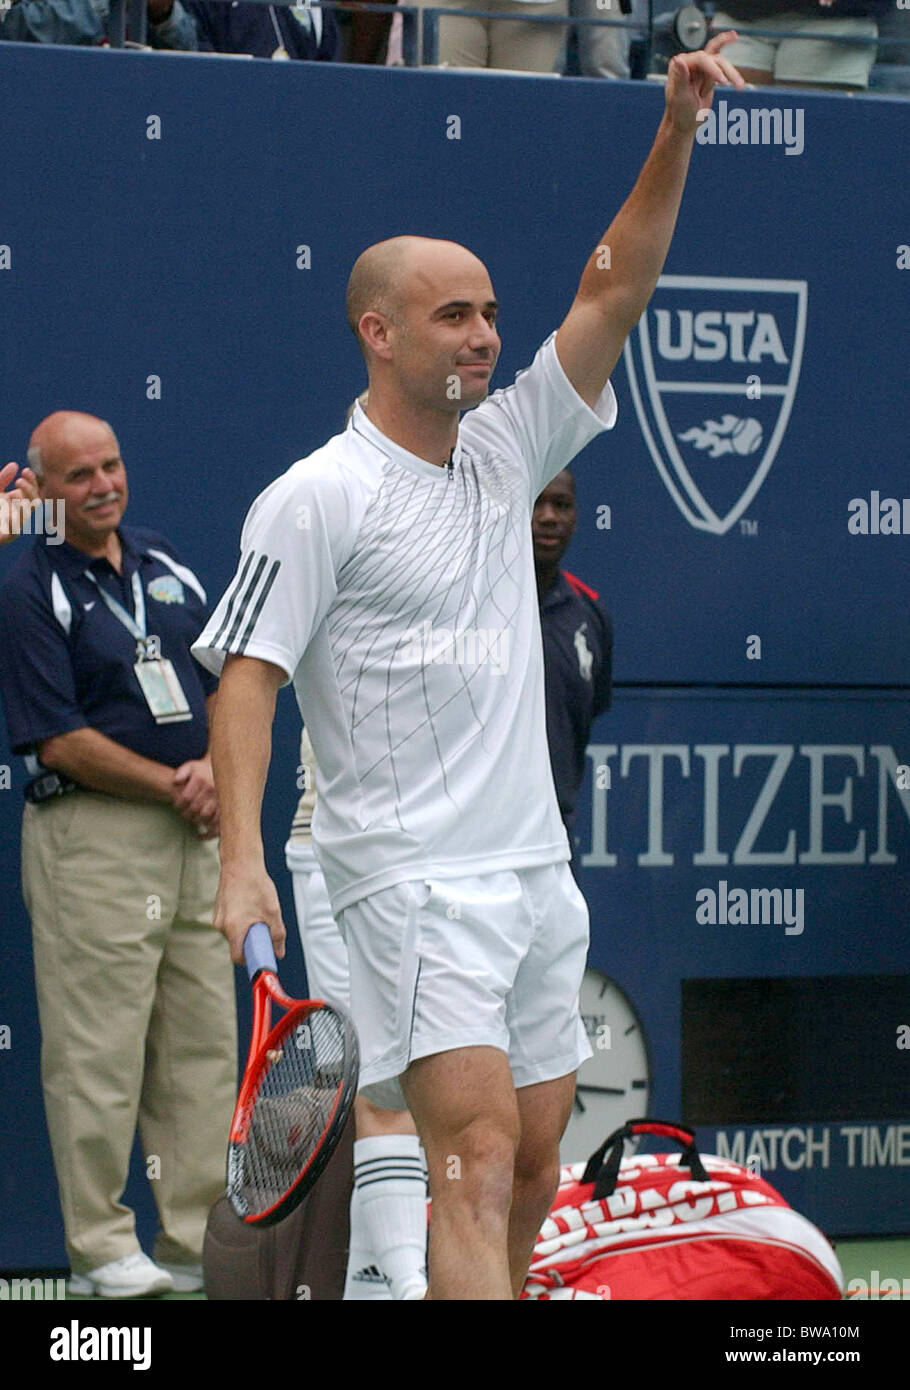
[
  {"x": 324, "y": 952},
  {"x": 494, "y": 960}
]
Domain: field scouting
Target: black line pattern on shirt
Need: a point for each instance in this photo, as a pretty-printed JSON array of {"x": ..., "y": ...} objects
[
  {"x": 355, "y": 572},
  {"x": 238, "y": 583},
  {"x": 425, "y": 495},
  {"x": 471, "y": 568},
  {"x": 254, "y": 616},
  {"x": 245, "y": 601},
  {"x": 366, "y": 565},
  {"x": 476, "y": 515}
]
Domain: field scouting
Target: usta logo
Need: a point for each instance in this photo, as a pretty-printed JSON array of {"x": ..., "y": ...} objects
[{"x": 710, "y": 336}]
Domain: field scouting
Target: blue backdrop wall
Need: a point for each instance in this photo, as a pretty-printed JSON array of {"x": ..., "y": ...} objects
[{"x": 175, "y": 238}]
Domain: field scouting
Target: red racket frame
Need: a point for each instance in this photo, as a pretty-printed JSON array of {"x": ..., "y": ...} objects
[{"x": 266, "y": 989}]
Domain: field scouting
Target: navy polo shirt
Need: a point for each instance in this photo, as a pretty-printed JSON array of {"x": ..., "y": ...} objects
[
  {"x": 578, "y": 675},
  {"x": 66, "y": 662}
]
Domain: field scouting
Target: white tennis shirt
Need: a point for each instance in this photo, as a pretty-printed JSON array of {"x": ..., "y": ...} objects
[{"x": 400, "y": 598}]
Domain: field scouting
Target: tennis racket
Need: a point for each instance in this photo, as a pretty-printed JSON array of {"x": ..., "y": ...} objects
[{"x": 297, "y": 1090}]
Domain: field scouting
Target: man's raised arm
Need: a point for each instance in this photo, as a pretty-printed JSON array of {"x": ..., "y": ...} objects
[
  {"x": 241, "y": 748},
  {"x": 623, "y": 269}
]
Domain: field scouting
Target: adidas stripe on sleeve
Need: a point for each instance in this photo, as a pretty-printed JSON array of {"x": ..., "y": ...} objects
[{"x": 295, "y": 537}]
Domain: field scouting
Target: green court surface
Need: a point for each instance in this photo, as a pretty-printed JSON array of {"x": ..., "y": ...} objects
[
  {"x": 873, "y": 1269},
  {"x": 873, "y": 1262}
]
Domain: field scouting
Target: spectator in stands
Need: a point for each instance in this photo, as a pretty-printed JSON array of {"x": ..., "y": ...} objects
[
  {"x": 119, "y": 867},
  {"x": 510, "y": 43},
  {"x": 364, "y": 36},
  {"x": 266, "y": 31},
  {"x": 16, "y": 502},
  {"x": 86, "y": 21},
  {"x": 604, "y": 51},
  {"x": 793, "y": 62},
  {"x": 577, "y": 646},
  {"x": 892, "y": 69}
]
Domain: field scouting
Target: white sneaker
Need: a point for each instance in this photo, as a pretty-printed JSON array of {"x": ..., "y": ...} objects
[
  {"x": 132, "y": 1277},
  {"x": 187, "y": 1278}
]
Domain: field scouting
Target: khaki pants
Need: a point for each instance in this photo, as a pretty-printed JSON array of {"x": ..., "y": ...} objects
[
  {"x": 138, "y": 1023},
  {"x": 510, "y": 43},
  {"x": 604, "y": 51}
]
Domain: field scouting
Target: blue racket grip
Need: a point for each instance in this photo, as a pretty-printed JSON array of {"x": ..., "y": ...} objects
[{"x": 257, "y": 950}]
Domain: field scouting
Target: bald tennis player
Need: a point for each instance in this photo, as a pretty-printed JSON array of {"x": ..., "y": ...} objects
[{"x": 390, "y": 577}]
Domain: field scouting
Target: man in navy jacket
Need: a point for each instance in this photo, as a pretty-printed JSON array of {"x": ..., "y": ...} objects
[
  {"x": 265, "y": 31},
  {"x": 577, "y": 646}
]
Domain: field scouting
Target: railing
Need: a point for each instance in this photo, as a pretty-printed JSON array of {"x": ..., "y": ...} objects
[{"x": 420, "y": 26}]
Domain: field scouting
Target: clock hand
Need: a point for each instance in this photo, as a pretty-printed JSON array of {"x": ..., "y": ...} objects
[{"x": 600, "y": 1090}]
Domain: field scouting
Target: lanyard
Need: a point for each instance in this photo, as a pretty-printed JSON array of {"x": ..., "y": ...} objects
[{"x": 135, "y": 626}]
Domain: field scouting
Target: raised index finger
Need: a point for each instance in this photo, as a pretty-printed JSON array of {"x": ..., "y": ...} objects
[
  {"x": 702, "y": 64},
  {"x": 720, "y": 41}
]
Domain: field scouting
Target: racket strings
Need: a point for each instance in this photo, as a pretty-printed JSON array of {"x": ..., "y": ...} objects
[{"x": 294, "y": 1104}]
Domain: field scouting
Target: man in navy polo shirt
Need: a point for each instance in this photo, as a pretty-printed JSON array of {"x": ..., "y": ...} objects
[
  {"x": 577, "y": 646},
  {"x": 119, "y": 866}
]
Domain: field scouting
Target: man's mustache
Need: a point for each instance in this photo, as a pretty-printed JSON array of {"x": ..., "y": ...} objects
[{"x": 102, "y": 502}]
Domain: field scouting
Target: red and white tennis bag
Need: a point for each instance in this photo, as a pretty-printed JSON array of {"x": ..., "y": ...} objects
[{"x": 675, "y": 1226}]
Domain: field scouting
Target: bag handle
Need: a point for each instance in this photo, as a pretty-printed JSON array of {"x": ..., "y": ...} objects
[{"x": 605, "y": 1175}]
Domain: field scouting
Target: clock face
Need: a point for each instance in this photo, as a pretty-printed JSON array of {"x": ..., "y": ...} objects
[{"x": 615, "y": 1084}]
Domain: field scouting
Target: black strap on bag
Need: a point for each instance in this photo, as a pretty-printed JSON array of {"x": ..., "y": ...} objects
[{"x": 604, "y": 1175}]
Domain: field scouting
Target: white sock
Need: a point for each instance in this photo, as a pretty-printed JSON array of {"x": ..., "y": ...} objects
[
  {"x": 391, "y": 1187},
  {"x": 364, "y": 1281}
]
